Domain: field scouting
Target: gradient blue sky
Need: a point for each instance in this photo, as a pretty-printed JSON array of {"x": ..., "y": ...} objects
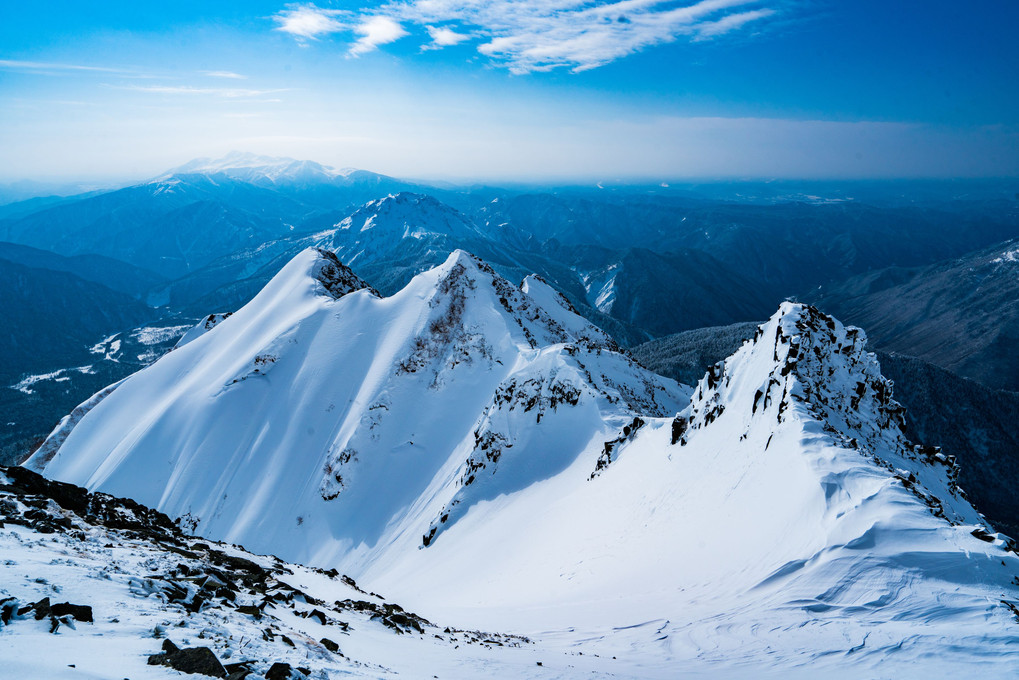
[{"x": 528, "y": 89}]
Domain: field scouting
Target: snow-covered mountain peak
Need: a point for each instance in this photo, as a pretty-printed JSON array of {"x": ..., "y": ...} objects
[
  {"x": 539, "y": 315},
  {"x": 806, "y": 357},
  {"x": 462, "y": 258},
  {"x": 805, "y": 366},
  {"x": 311, "y": 273},
  {"x": 405, "y": 215},
  {"x": 249, "y": 167}
]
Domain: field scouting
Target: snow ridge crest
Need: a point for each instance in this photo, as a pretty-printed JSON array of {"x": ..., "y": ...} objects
[
  {"x": 806, "y": 366},
  {"x": 542, "y": 321}
]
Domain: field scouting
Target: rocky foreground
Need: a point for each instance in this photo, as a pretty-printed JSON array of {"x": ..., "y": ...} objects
[{"x": 102, "y": 587}]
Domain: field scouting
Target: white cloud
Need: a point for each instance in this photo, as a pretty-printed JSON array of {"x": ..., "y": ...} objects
[
  {"x": 731, "y": 22},
  {"x": 443, "y": 36},
  {"x": 225, "y": 92},
  {"x": 225, "y": 74},
  {"x": 537, "y": 35},
  {"x": 309, "y": 21},
  {"x": 375, "y": 31},
  {"x": 14, "y": 64}
]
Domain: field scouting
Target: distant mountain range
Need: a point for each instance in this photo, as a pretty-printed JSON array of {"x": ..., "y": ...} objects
[
  {"x": 639, "y": 262},
  {"x": 961, "y": 314},
  {"x": 642, "y": 262}
]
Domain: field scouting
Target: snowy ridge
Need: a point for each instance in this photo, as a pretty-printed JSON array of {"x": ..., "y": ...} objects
[
  {"x": 316, "y": 389},
  {"x": 482, "y": 454},
  {"x": 821, "y": 371}
]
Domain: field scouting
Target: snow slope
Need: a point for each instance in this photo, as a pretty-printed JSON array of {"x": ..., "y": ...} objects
[
  {"x": 333, "y": 426},
  {"x": 781, "y": 515},
  {"x": 485, "y": 456}
]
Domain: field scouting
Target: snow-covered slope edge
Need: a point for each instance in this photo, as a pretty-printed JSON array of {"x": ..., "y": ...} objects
[{"x": 333, "y": 427}]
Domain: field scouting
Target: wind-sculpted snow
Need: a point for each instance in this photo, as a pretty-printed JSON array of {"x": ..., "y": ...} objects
[{"x": 483, "y": 455}]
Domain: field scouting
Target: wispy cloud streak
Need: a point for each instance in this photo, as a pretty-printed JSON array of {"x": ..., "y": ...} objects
[
  {"x": 230, "y": 75},
  {"x": 38, "y": 66},
  {"x": 186, "y": 90}
]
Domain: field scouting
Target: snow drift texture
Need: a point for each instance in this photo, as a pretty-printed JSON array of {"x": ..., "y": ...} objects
[{"x": 484, "y": 454}]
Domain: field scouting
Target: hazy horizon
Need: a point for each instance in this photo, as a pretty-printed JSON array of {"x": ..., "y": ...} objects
[
  {"x": 71, "y": 184},
  {"x": 441, "y": 90}
]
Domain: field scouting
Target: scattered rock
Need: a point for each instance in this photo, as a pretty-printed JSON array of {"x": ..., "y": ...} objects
[
  {"x": 279, "y": 671},
  {"x": 78, "y": 612},
  {"x": 195, "y": 660},
  {"x": 238, "y": 671},
  {"x": 8, "y": 609},
  {"x": 42, "y": 608}
]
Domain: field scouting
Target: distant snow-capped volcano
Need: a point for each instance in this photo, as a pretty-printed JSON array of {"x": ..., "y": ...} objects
[
  {"x": 250, "y": 167},
  {"x": 275, "y": 171}
]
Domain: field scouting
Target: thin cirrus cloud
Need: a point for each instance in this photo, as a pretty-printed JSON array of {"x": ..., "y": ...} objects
[
  {"x": 37, "y": 66},
  {"x": 730, "y": 23},
  {"x": 230, "y": 75},
  {"x": 186, "y": 90},
  {"x": 534, "y": 35}
]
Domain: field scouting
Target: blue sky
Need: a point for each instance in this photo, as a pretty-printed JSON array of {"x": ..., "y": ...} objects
[{"x": 528, "y": 89}]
